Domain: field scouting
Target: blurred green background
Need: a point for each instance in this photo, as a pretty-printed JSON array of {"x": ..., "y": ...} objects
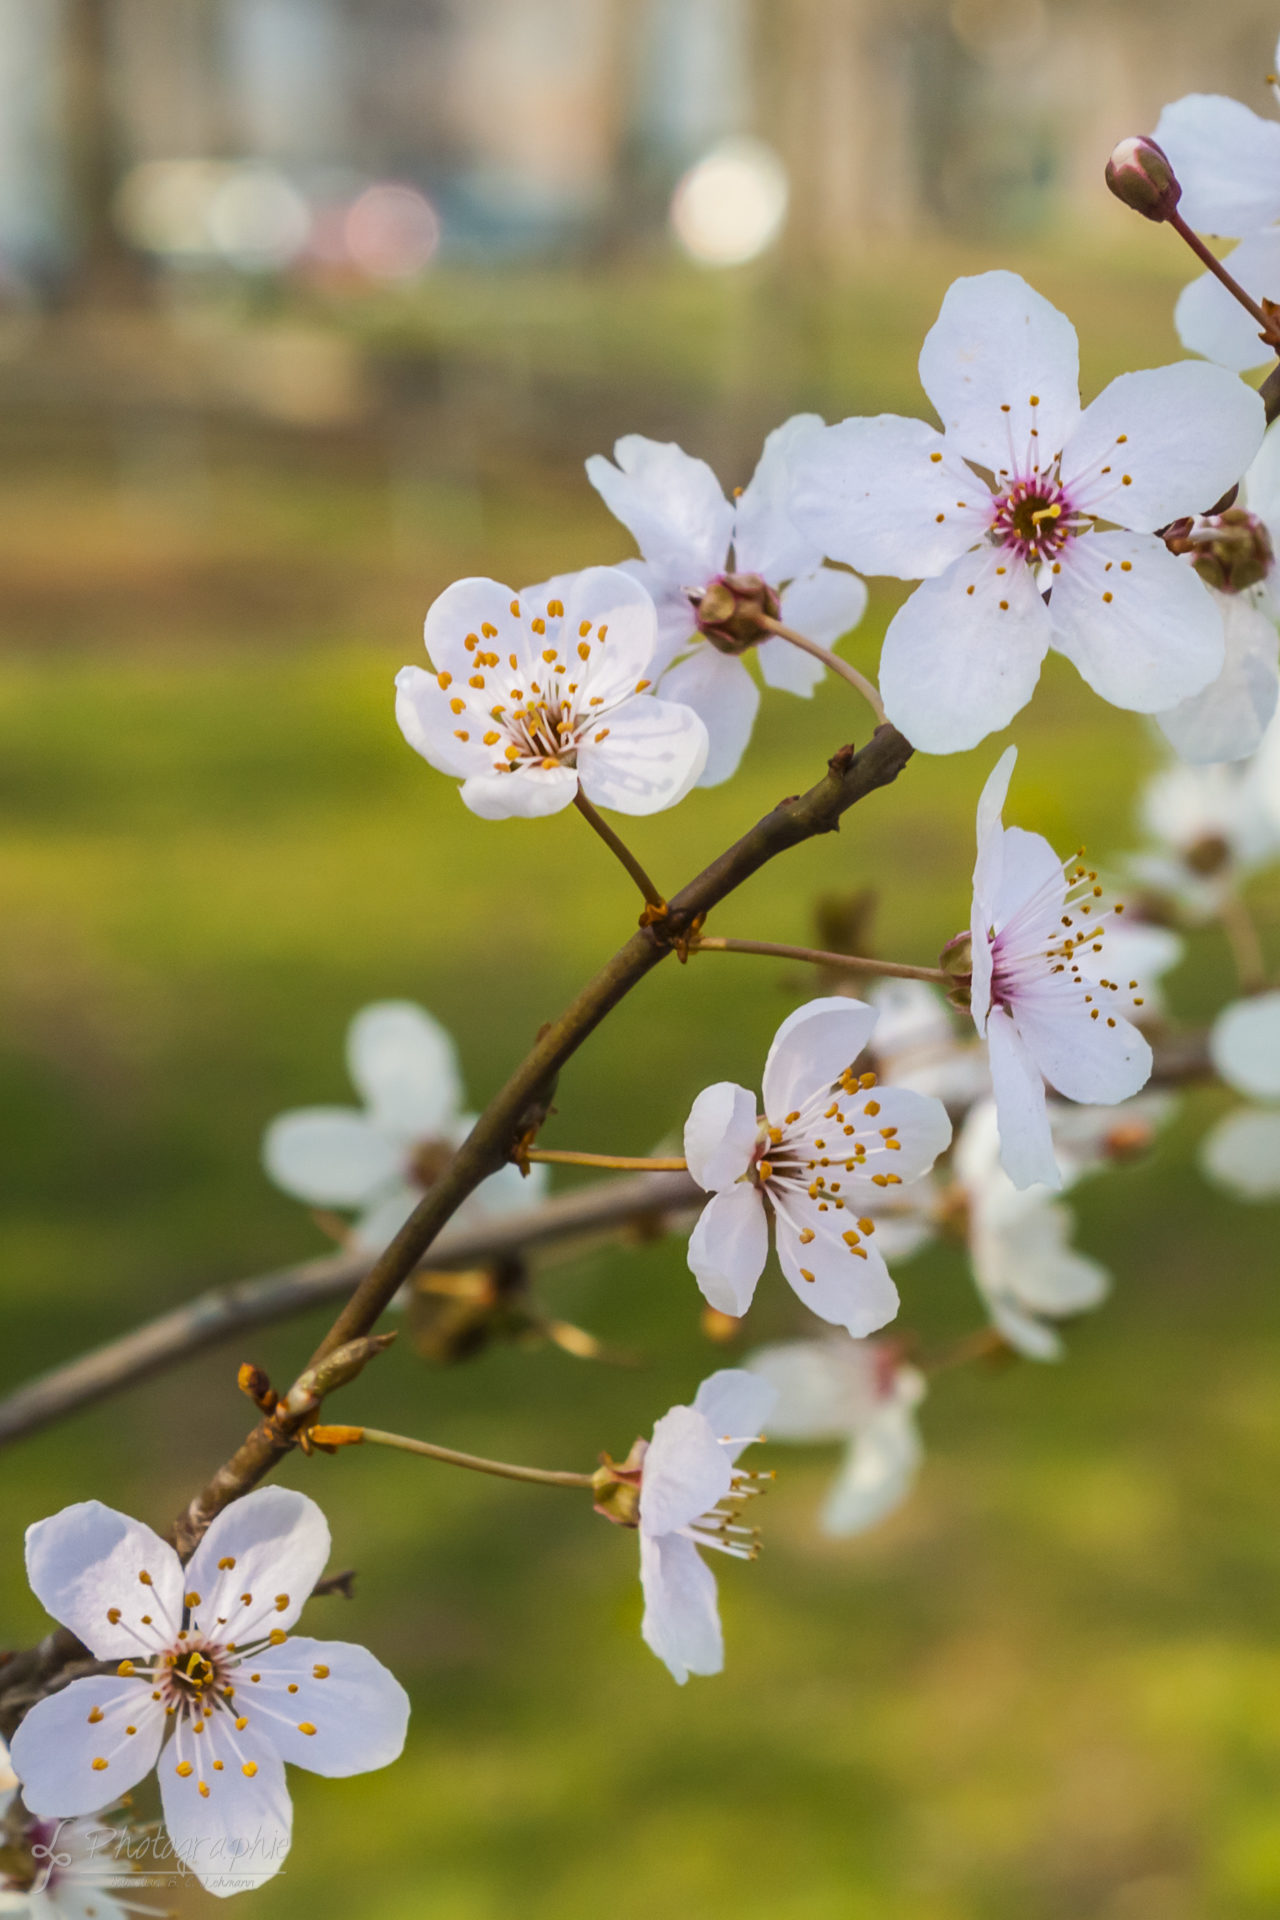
[{"x": 1051, "y": 1685}]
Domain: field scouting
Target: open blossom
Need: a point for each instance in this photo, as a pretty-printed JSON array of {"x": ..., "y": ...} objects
[
  {"x": 691, "y": 1496},
  {"x": 1227, "y": 159},
  {"x": 211, "y": 1688},
  {"x": 1018, "y": 1238},
  {"x": 65, "y": 1870},
  {"x": 383, "y": 1157},
  {"x": 691, "y": 536},
  {"x": 829, "y": 1144},
  {"x": 1022, "y": 493},
  {"x": 1211, "y": 827},
  {"x": 859, "y": 1392},
  {"x": 1242, "y": 1153},
  {"x": 528, "y": 699},
  {"x": 1045, "y": 994}
]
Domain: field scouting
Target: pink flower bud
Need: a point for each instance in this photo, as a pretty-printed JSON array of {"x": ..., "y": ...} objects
[{"x": 1139, "y": 173}]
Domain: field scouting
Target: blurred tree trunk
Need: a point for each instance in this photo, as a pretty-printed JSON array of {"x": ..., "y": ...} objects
[{"x": 105, "y": 271}]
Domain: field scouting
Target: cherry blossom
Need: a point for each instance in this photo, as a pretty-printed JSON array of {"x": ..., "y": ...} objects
[
  {"x": 859, "y": 1392},
  {"x": 830, "y": 1144},
  {"x": 1210, "y": 828},
  {"x": 692, "y": 1493},
  {"x": 691, "y": 536},
  {"x": 1227, "y": 159},
  {"x": 1022, "y": 494},
  {"x": 1024, "y": 1269},
  {"x": 383, "y": 1157},
  {"x": 211, "y": 1688},
  {"x": 529, "y": 699},
  {"x": 1044, "y": 994},
  {"x": 917, "y": 1045},
  {"x": 1242, "y": 1152},
  {"x": 66, "y": 1870}
]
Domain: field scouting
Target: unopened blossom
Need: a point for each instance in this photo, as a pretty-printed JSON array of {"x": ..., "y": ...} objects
[
  {"x": 530, "y": 698},
  {"x": 383, "y": 1157},
  {"x": 1045, "y": 995},
  {"x": 1021, "y": 495},
  {"x": 1026, "y": 1272},
  {"x": 859, "y": 1392},
  {"x": 1227, "y": 159},
  {"x": 1242, "y": 1152},
  {"x": 1234, "y": 553},
  {"x": 691, "y": 537},
  {"x": 691, "y": 1496},
  {"x": 211, "y": 1687},
  {"x": 830, "y": 1143},
  {"x": 1209, "y": 828}
]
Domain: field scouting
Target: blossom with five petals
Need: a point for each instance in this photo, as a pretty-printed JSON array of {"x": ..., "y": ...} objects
[
  {"x": 1242, "y": 1153},
  {"x": 691, "y": 1496},
  {"x": 384, "y": 1157},
  {"x": 1227, "y": 159},
  {"x": 1211, "y": 827},
  {"x": 860, "y": 1392},
  {"x": 211, "y": 1687},
  {"x": 1021, "y": 493},
  {"x": 1043, "y": 994},
  {"x": 690, "y": 535},
  {"x": 830, "y": 1143},
  {"x": 529, "y": 699}
]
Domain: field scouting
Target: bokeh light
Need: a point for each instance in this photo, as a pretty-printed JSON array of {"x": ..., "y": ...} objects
[
  {"x": 392, "y": 232},
  {"x": 732, "y": 204}
]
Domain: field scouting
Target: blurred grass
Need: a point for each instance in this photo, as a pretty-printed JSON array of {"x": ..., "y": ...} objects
[{"x": 1052, "y": 1685}]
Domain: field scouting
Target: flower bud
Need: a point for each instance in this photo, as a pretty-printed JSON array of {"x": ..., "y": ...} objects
[
  {"x": 956, "y": 961},
  {"x": 1230, "y": 551},
  {"x": 1139, "y": 173},
  {"x": 730, "y": 609}
]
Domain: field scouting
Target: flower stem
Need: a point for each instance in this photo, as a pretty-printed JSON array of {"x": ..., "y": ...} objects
[
  {"x": 622, "y": 1162},
  {"x": 1246, "y": 945},
  {"x": 1229, "y": 281},
  {"x": 322, "y": 1436},
  {"x": 832, "y": 660},
  {"x": 855, "y": 962},
  {"x": 984, "y": 1344},
  {"x": 621, "y": 850}
]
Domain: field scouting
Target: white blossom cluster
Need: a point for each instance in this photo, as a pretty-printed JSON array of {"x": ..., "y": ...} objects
[{"x": 1135, "y": 535}]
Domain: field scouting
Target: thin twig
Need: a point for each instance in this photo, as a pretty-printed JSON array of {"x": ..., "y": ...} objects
[
  {"x": 1246, "y": 944},
  {"x": 857, "y": 963},
  {"x": 620, "y": 1162},
  {"x": 1219, "y": 272},
  {"x": 356, "y": 1436},
  {"x": 621, "y": 850},
  {"x": 832, "y": 660}
]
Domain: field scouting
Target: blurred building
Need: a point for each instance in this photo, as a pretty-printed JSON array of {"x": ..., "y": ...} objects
[{"x": 538, "y": 124}]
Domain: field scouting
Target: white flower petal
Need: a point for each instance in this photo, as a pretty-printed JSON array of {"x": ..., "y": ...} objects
[
  {"x": 1242, "y": 1154},
  {"x": 878, "y": 1473},
  {"x": 681, "y": 1617},
  {"x": 405, "y": 1066},
  {"x": 1211, "y": 321},
  {"x": 996, "y": 345},
  {"x": 378, "y": 1224},
  {"x": 884, "y": 495},
  {"x": 431, "y": 720},
  {"x": 839, "y": 1286},
  {"x": 720, "y": 1135},
  {"x": 766, "y": 540},
  {"x": 235, "y": 1835},
  {"x": 87, "y": 1560},
  {"x": 1138, "y": 624},
  {"x": 720, "y": 690},
  {"x": 736, "y": 1404},
  {"x": 963, "y": 655},
  {"x": 1173, "y": 438},
  {"x": 1024, "y": 1333},
  {"x": 923, "y": 1130},
  {"x": 826, "y": 1389},
  {"x": 1227, "y": 160},
  {"x": 359, "y": 1711},
  {"x": 728, "y": 1248},
  {"x": 56, "y": 1745},
  {"x": 1228, "y": 719},
  {"x": 1244, "y": 1045},
  {"x": 1083, "y": 1058},
  {"x": 811, "y": 1049},
  {"x": 330, "y": 1156},
  {"x": 651, "y": 758},
  {"x": 462, "y": 612},
  {"x": 274, "y": 1543},
  {"x": 671, "y": 503},
  {"x": 614, "y": 602},
  {"x": 686, "y": 1471},
  {"x": 530, "y": 793},
  {"x": 1261, "y": 492},
  {"x": 1026, "y": 1144},
  {"x": 987, "y": 874}
]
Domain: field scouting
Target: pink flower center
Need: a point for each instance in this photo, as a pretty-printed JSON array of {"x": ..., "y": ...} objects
[{"x": 1033, "y": 518}]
